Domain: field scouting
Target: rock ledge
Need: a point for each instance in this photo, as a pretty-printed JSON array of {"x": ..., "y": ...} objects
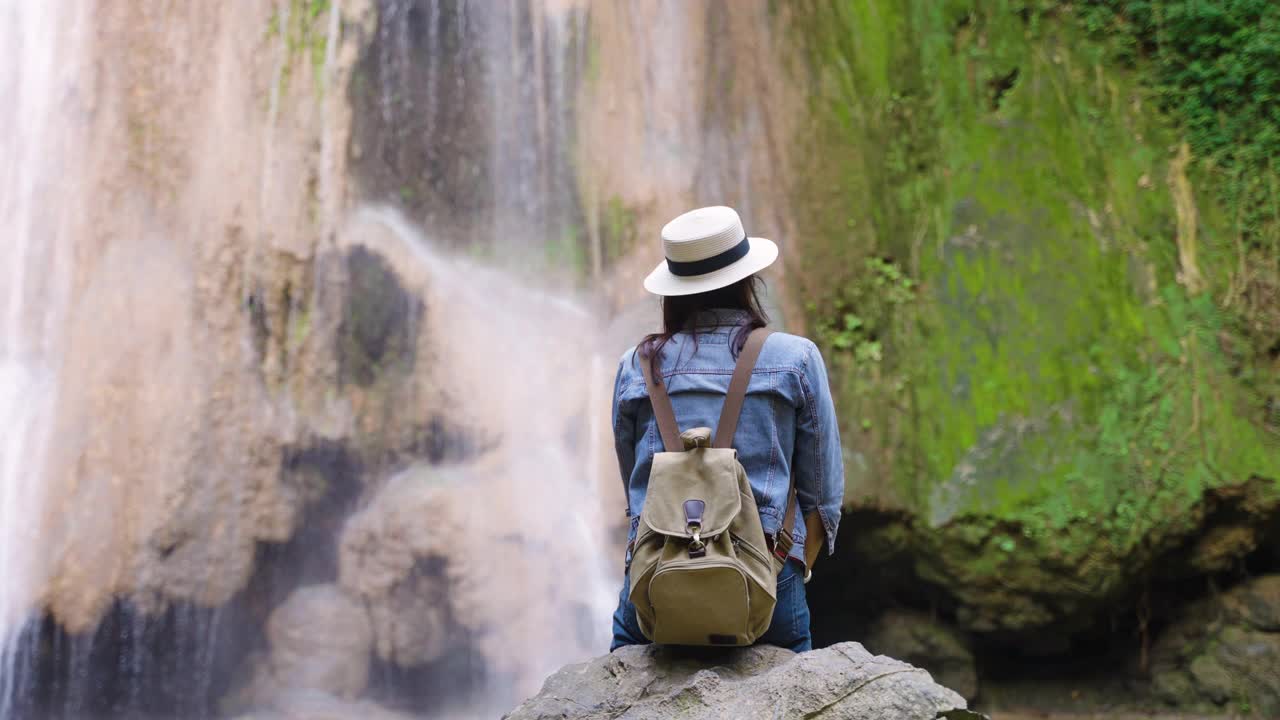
[{"x": 651, "y": 683}]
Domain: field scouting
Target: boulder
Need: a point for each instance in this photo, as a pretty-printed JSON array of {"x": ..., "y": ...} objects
[
  {"x": 656, "y": 683},
  {"x": 320, "y": 638},
  {"x": 920, "y": 640},
  {"x": 320, "y": 643},
  {"x": 461, "y": 559},
  {"x": 1225, "y": 649}
]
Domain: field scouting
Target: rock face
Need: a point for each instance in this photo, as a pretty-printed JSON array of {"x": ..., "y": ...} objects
[
  {"x": 652, "y": 683},
  {"x": 1224, "y": 650},
  {"x": 196, "y": 199},
  {"x": 319, "y": 645},
  {"x": 336, "y": 659},
  {"x": 312, "y": 705},
  {"x": 920, "y": 640},
  {"x": 437, "y": 575},
  {"x": 1023, "y": 393}
]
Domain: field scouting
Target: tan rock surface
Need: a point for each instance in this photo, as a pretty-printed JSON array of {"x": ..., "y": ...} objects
[
  {"x": 441, "y": 567},
  {"x": 170, "y": 426},
  {"x": 652, "y": 683}
]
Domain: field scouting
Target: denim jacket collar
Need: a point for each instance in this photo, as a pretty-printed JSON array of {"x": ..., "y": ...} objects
[{"x": 719, "y": 319}]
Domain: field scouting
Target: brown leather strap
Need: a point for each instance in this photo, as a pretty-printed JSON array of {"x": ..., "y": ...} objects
[
  {"x": 662, "y": 411},
  {"x": 788, "y": 521},
  {"x": 726, "y": 427},
  {"x": 728, "y": 423}
]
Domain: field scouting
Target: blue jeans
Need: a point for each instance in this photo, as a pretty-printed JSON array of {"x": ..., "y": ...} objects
[{"x": 789, "y": 627}]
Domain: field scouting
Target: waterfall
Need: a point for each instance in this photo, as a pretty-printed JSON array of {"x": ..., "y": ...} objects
[
  {"x": 313, "y": 313},
  {"x": 530, "y": 566},
  {"x": 37, "y": 198}
]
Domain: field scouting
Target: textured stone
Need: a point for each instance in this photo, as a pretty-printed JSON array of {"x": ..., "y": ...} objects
[
  {"x": 1256, "y": 603},
  {"x": 320, "y": 638},
  {"x": 169, "y": 460},
  {"x": 319, "y": 706},
  {"x": 1224, "y": 649},
  {"x": 320, "y": 644},
  {"x": 652, "y": 683},
  {"x": 920, "y": 640},
  {"x": 443, "y": 566}
]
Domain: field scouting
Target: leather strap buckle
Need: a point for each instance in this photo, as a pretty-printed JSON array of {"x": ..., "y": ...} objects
[{"x": 780, "y": 544}]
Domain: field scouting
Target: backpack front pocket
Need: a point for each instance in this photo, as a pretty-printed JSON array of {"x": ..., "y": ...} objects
[{"x": 700, "y": 603}]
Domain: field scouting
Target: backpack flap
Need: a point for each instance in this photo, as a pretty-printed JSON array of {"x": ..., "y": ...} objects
[{"x": 697, "y": 488}]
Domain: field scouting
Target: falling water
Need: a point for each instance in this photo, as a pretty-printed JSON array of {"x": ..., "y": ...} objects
[
  {"x": 514, "y": 67},
  {"x": 535, "y": 577},
  {"x": 36, "y": 136},
  {"x": 464, "y": 118},
  {"x": 474, "y": 114}
]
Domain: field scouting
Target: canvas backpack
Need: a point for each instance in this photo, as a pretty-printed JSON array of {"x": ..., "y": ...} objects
[{"x": 701, "y": 570}]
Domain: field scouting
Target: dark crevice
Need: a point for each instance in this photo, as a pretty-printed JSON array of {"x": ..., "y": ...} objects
[
  {"x": 258, "y": 323},
  {"x": 1097, "y": 662},
  {"x": 136, "y": 664},
  {"x": 1000, "y": 85},
  {"x": 380, "y": 321}
]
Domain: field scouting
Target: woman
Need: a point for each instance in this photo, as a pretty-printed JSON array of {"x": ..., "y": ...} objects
[{"x": 787, "y": 428}]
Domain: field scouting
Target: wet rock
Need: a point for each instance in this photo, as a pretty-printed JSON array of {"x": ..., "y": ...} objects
[
  {"x": 320, "y": 638},
  {"x": 1256, "y": 603},
  {"x": 444, "y": 565},
  {"x": 320, "y": 706},
  {"x": 652, "y": 683},
  {"x": 920, "y": 640},
  {"x": 1224, "y": 650},
  {"x": 380, "y": 320},
  {"x": 320, "y": 641}
]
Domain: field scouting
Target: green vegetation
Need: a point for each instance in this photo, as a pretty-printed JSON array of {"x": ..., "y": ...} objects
[
  {"x": 303, "y": 29},
  {"x": 618, "y": 229},
  {"x": 1024, "y": 358},
  {"x": 1215, "y": 68}
]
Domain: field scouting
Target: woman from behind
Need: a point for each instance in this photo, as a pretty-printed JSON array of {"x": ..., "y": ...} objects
[{"x": 786, "y": 438}]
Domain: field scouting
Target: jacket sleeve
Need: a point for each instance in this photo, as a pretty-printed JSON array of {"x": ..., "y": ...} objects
[
  {"x": 624, "y": 430},
  {"x": 818, "y": 462}
]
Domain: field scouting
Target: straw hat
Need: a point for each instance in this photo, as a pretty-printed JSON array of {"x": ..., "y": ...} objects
[{"x": 707, "y": 249}]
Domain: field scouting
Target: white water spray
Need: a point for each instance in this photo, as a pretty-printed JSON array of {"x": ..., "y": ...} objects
[
  {"x": 37, "y": 136},
  {"x": 535, "y": 581}
]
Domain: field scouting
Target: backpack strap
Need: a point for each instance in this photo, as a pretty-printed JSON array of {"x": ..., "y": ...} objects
[
  {"x": 662, "y": 411},
  {"x": 728, "y": 423},
  {"x": 727, "y": 426}
]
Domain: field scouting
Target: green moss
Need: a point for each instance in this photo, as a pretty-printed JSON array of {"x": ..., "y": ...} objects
[
  {"x": 299, "y": 327},
  {"x": 305, "y": 34},
  {"x": 1214, "y": 67},
  {"x": 618, "y": 228},
  {"x": 1046, "y": 372}
]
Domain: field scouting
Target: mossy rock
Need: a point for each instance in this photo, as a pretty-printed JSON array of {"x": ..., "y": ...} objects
[{"x": 1037, "y": 386}]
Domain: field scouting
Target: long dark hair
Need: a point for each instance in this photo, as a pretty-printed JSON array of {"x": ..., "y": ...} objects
[{"x": 679, "y": 313}]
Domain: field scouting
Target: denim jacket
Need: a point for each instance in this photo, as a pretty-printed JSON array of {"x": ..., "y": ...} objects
[{"x": 787, "y": 428}]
